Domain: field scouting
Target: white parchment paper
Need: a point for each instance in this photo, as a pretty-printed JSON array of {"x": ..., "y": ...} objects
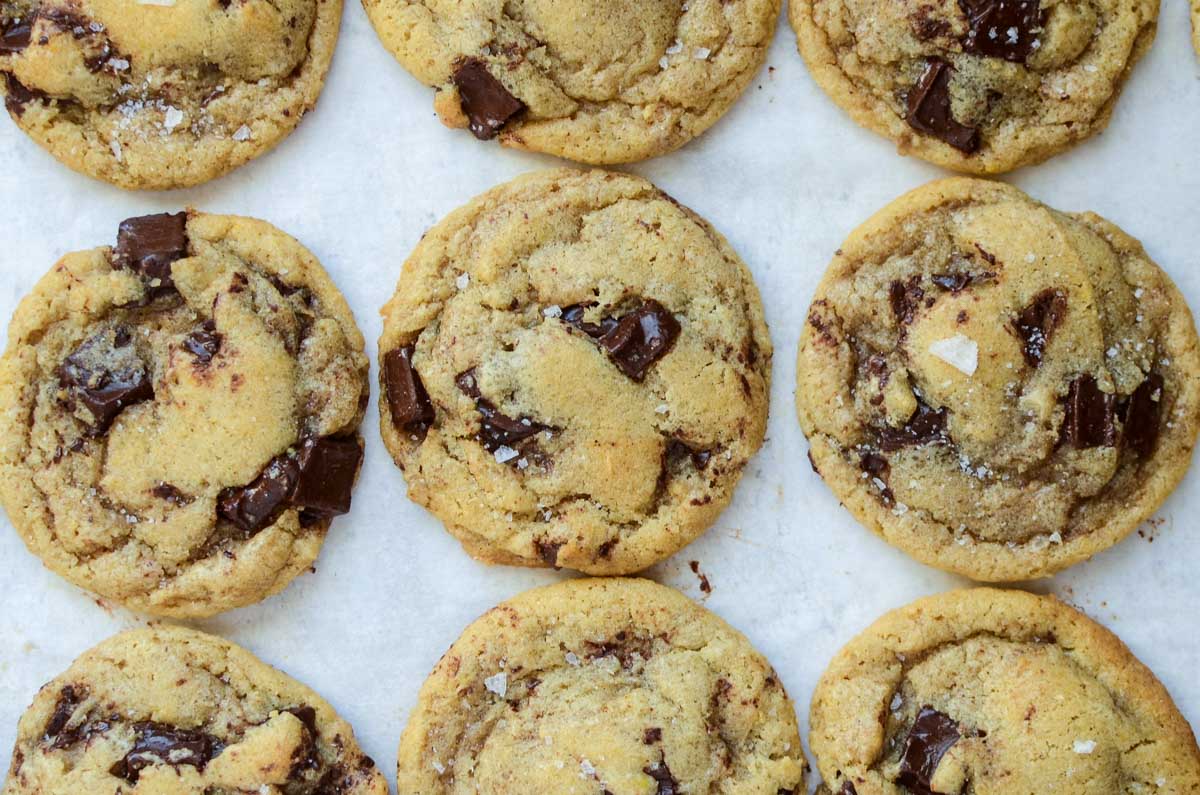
[{"x": 785, "y": 176}]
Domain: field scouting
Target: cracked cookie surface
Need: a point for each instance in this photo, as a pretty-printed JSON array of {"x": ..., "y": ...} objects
[
  {"x": 995, "y": 387},
  {"x": 980, "y": 86},
  {"x": 596, "y": 81},
  {"x": 996, "y": 693},
  {"x": 162, "y": 94},
  {"x": 575, "y": 372},
  {"x": 179, "y": 413},
  {"x": 594, "y": 686},
  {"x": 172, "y": 710}
]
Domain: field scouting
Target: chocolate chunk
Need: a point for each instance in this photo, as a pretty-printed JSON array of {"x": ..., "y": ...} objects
[
  {"x": 253, "y": 506},
  {"x": 69, "y": 699},
  {"x": 667, "y": 785},
  {"x": 574, "y": 315},
  {"x": 160, "y": 744},
  {"x": 407, "y": 399},
  {"x": 929, "y": 108},
  {"x": 848, "y": 788},
  {"x": 1037, "y": 322},
  {"x": 170, "y": 493},
  {"x": 15, "y": 36},
  {"x": 905, "y": 298},
  {"x": 1142, "y": 415},
  {"x": 931, "y": 736},
  {"x": 547, "y": 550},
  {"x": 485, "y": 100},
  {"x": 327, "y": 468},
  {"x": 1002, "y": 28},
  {"x": 651, "y": 736},
  {"x": 958, "y": 281},
  {"x": 305, "y": 757},
  {"x": 925, "y": 426},
  {"x": 496, "y": 429},
  {"x": 678, "y": 450},
  {"x": 1089, "y": 415},
  {"x": 641, "y": 338},
  {"x": 149, "y": 245},
  {"x": 106, "y": 374},
  {"x": 17, "y": 96},
  {"x": 877, "y": 467},
  {"x": 204, "y": 342}
]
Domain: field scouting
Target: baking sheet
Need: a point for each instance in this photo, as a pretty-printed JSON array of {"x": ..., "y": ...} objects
[{"x": 785, "y": 176}]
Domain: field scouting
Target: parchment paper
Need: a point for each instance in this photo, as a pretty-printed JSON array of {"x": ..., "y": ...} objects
[{"x": 785, "y": 176}]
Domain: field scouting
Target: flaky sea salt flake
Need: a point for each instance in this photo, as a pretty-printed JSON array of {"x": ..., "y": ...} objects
[{"x": 959, "y": 351}]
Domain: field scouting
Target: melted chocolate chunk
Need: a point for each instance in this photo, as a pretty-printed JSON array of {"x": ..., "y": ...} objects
[
  {"x": 254, "y": 506},
  {"x": 407, "y": 399},
  {"x": 149, "y": 245},
  {"x": 1142, "y": 415},
  {"x": 878, "y": 468},
  {"x": 485, "y": 100},
  {"x": 547, "y": 550},
  {"x": 204, "y": 342},
  {"x": 641, "y": 338},
  {"x": 1002, "y": 28},
  {"x": 931, "y": 736},
  {"x": 305, "y": 756},
  {"x": 925, "y": 426},
  {"x": 327, "y": 468},
  {"x": 574, "y": 315},
  {"x": 106, "y": 374},
  {"x": 848, "y": 788},
  {"x": 905, "y": 298},
  {"x": 678, "y": 450},
  {"x": 1037, "y": 322},
  {"x": 958, "y": 281},
  {"x": 160, "y": 744},
  {"x": 1089, "y": 416},
  {"x": 17, "y": 96},
  {"x": 496, "y": 429},
  {"x": 651, "y": 736},
  {"x": 15, "y": 36},
  {"x": 627, "y": 649},
  {"x": 69, "y": 699},
  {"x": 929, "y": 109},
  {"x": 170, "y": 493},
  {"x": 667, "y": 784}
]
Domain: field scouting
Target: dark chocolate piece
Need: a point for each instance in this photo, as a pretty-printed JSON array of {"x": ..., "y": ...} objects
[
  {"x": 905, "y": 299},
  {"x": 925, "y": 426},
  {"x": 305, "y": 756},
  {"x": 641, "y": 338},
  {"x": 1089, "y": 417},
  {"x": 574, "y": 315},
  {"x": 651, "y": 736},
  {"x": 1002, "y": 28},
  {"x": 929, "y": 109},
  {"x": 204, "y": 342},
  {"x": 667, "y": 784},
  {"x": 1037, "y": 322},
  {"x": 160, "y": 744},
  {"x": 678, "y": 450},
  {"x": 149, "y": 245},
  {"x": 485, "y": 100},
  {"x": 15, "y": 36},
  {"x": 848, "y": 788},
  {"x": 17, "y": 96},
  {"x": 170, "y": 493},
  {"x": 1143, "y": 416},
  {"x": 547, "y": 550},
  {"x": 407, "y": 399},
  {"x": 106, "y": 374},
  {"x": 69, "y": 699},
  {"x": 878, "y": 468},
  {"x": 327, "y": 468},
  {"x": 931, "y": 736},
  {"x": 496, "y": 429},
  {"x": 253, "y": 506}
]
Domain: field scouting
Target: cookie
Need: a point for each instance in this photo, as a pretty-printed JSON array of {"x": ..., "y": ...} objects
[
  {"x": 594, "y": 686},
  {"x": 162, "y": 93},
  {"x": 575, "y": 372},
  {"x": 172, "y": 710},
  {"x": 979, "y": 86},
  {"x": 997, "y": 388},
  {"x": 179, "y": 414},
  {"x": 597, "y": 81},
  {"x": 994, "y": 691}
]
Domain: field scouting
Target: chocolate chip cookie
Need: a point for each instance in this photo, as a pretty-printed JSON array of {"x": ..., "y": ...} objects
[
  {"x": 997, "y": 388},
  {"x": 179, "y": 414},
  {"x": 172, "y": 710},
  {"x": 575, "y": 372},
  {"x": 993, "y": 691},
  {"x": 601, "y": 686},
  {"x": 597, "y": 81},
  {"x": 162, "y": 93},
  {"x": 981, "y": 86}
]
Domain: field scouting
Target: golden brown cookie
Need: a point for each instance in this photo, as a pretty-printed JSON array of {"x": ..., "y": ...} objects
[
  {"x": 162, "y": 93},
  {"x": 597, "y": 81},
  {"x": 598, "y": 686},
  {"x": 575, "y": 372},
  {"x": 981, "y": 86},
  {"x": 172, "y": 710},
  {"x": 998, "y": 692},
  {"x": 997, "y": 388},
  {"x": 179, "y": 414}
]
